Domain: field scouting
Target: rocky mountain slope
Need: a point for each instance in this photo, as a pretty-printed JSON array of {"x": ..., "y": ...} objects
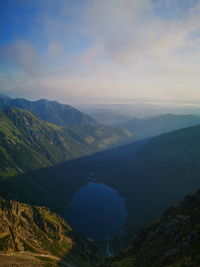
[
  {"x": 33, "y": 235},
  {"x": 27, "y": 142},
  {"x": 173, "y": 240},
  {"x": 51, "y": 111}
]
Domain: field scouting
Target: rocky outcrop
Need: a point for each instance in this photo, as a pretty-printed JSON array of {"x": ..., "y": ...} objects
[
  {"x": 40, "y": 233},
  {"x": 173, "y": 240}
]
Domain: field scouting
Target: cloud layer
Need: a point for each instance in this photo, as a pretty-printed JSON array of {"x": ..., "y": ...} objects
[{"x": 115, "y": 48}]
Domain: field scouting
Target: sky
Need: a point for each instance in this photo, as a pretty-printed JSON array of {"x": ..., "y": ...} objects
[{"x": 99, "y": 50}]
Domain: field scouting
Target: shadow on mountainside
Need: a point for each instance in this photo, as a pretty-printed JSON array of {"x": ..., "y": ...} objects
[
  {"x": 151, "y": 175},
  {"x": 54, "y": 186}
]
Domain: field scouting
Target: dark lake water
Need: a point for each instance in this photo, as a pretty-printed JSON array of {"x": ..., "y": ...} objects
[{"x": 97, "y": 211}]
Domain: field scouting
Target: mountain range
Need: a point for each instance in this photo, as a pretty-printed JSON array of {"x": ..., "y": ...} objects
[
  {"x": 45, "y": 163},
  {"x": 50, "y": 111},
  {"x": 152, "y": 126},
  {"x": 27, "y": 142}
]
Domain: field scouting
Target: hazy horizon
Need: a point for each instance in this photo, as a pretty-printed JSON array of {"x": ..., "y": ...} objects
[{"x": 126, "y": 106}]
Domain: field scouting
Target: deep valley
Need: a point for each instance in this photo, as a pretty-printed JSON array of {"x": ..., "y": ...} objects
[{"x": 107, "y": 184}]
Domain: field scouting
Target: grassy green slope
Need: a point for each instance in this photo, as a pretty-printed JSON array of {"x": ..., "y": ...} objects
[
  {"x": 101, "y": 137},
  {"x": 27, "y": 142}
]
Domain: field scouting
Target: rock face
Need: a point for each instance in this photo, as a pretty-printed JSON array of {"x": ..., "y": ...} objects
[
  {"x": 35, "y": 231},
  {"x": 173, "y": 240}
]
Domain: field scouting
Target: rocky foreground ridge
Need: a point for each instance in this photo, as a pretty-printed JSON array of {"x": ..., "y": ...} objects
[
  {"x": 34, "y": 236},
  {"x": 173, "y": 240}
]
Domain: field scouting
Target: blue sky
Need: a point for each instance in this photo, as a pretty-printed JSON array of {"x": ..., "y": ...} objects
[
  {"x": 71, "y": 50},
  {"x": 25, "y": 20},
  {"x": 173, "y": 9}
]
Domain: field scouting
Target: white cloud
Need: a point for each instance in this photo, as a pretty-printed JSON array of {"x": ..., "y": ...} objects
[
  {"x": 21, "y": 54},
  {"x": 112, "y": 48}
]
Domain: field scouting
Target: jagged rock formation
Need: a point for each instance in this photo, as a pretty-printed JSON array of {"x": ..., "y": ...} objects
[
  {"x": 173, "y": 240},
  {"x": 35, "y": 232}
]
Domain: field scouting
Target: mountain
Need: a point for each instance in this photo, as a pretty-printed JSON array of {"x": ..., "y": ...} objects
[
  {"x": 156, "y": 175},
  {"x": 34, "y": 236},
  {"x": 172, "y": 240},
  {"x": 156, "y": 125},
  {"x": 51, "y": 111},
  {"x": 151, "y": 175},
  {"x": 27, "y": 142}
]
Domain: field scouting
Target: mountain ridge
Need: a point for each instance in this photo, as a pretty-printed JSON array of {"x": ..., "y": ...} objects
[
  {"x": 156, "y": 125},
  {"x": 51, "y": 111},
  {"x": 27, "y": 142}
]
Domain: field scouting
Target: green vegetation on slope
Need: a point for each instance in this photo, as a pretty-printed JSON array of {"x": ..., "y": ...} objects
[
  {"x": 101, "y": 137},
  {"x": 27, "y": 142}
]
